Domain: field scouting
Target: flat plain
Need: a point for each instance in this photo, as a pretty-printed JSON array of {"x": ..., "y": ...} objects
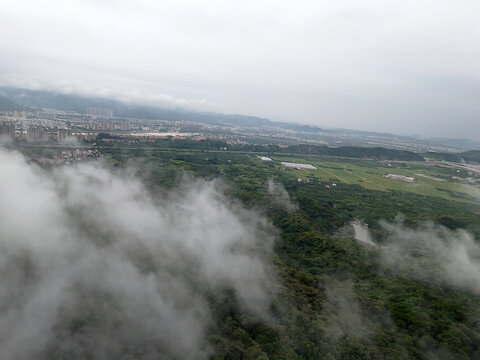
[{"x": 370, "y": 175}]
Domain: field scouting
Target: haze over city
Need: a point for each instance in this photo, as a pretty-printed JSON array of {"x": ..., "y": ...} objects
[{"x": 406, "y": 67}]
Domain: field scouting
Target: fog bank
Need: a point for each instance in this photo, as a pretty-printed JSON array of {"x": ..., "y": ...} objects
[
  {"x": 434, "y": 253},
  {"x": 94, "y": 266}
]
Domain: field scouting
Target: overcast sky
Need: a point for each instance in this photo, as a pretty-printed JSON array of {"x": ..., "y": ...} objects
[{"x": 407, "y": 67}]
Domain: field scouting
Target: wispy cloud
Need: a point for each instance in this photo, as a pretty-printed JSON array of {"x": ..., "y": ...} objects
[
  {"x": 114, "y": 91},
  {"x": 434, "y": 253},
  {"x": 280, "y": 196}
]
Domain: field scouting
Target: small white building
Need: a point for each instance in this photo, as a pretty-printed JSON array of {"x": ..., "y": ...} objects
[
  {"x": 299, "y": 166},
  {"x": 400, "y": 177}
]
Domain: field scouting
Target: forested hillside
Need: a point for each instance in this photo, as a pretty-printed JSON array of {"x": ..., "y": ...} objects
[
  {"x": 472, "y": 156},
  {"x": 339, "y": 298}
]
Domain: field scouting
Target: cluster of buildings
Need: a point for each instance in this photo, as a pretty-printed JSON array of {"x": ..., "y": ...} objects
[
  {"x": 7, "y": 131},
  {"x": 42, "y": 115},
  {"x": 66, "y": 157},
  {"x": 39, "y": 134},
  {"x": 13, "y": 114},
  {"x": 98, "y": 119},
  {"x": 22, "y": 120},
  {"x": 69, "y": 136},
  {"x": 108, "y": 126}
]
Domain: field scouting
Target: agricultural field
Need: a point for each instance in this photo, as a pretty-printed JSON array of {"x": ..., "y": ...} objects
[{"x": 429, "y": 180}]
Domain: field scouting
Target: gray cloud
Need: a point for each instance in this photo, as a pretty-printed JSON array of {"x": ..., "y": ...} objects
[
  {"x": 362, "y": 233},
  {"x": 402, "y": 66},
  {"x": 280, "y": 196},
  {"x": 346, "y": 316},
  {"x": 94, "y": 266},
  {"x": 434, "y": 253},
  {"x": 112, "y": 90}
]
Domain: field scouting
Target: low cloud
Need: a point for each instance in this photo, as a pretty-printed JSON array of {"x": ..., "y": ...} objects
[
  {"x": 346, "y": 316},
  {"x": 434, "y": 253},
  {"x": 137, "y": 96},
  {"x": 93, "y": 265},
  {"x": 280, "y": 196},
  {"x": 362, "y": 233},
  {"x": 130, "y": 94}
]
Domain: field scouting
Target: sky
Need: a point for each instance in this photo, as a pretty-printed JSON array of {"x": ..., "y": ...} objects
[{"x": 409, "y": 67}]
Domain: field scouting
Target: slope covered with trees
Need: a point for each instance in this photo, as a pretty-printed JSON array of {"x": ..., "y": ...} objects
[{"x": 337, "y": 297}]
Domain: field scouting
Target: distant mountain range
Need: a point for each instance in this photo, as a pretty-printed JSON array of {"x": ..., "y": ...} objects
[
  {"x": 79, "y": 104},
  {"x": 16, "y": 99},
  {"x": 9, "y": 105}
]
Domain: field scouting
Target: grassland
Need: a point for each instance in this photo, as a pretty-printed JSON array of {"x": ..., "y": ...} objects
[{"x": 370, "y": 175}]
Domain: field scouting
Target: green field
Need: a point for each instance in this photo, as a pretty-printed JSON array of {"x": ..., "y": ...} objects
[{"x": 370, "y": 175}]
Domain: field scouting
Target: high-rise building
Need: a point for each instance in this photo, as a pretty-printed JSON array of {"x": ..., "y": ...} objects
[
  {"x": 36, "y": 134},
  {"x": 64, "y": 135},
  {"x": 99, "y": 112},
  {"x": 7, "y": 131}
]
